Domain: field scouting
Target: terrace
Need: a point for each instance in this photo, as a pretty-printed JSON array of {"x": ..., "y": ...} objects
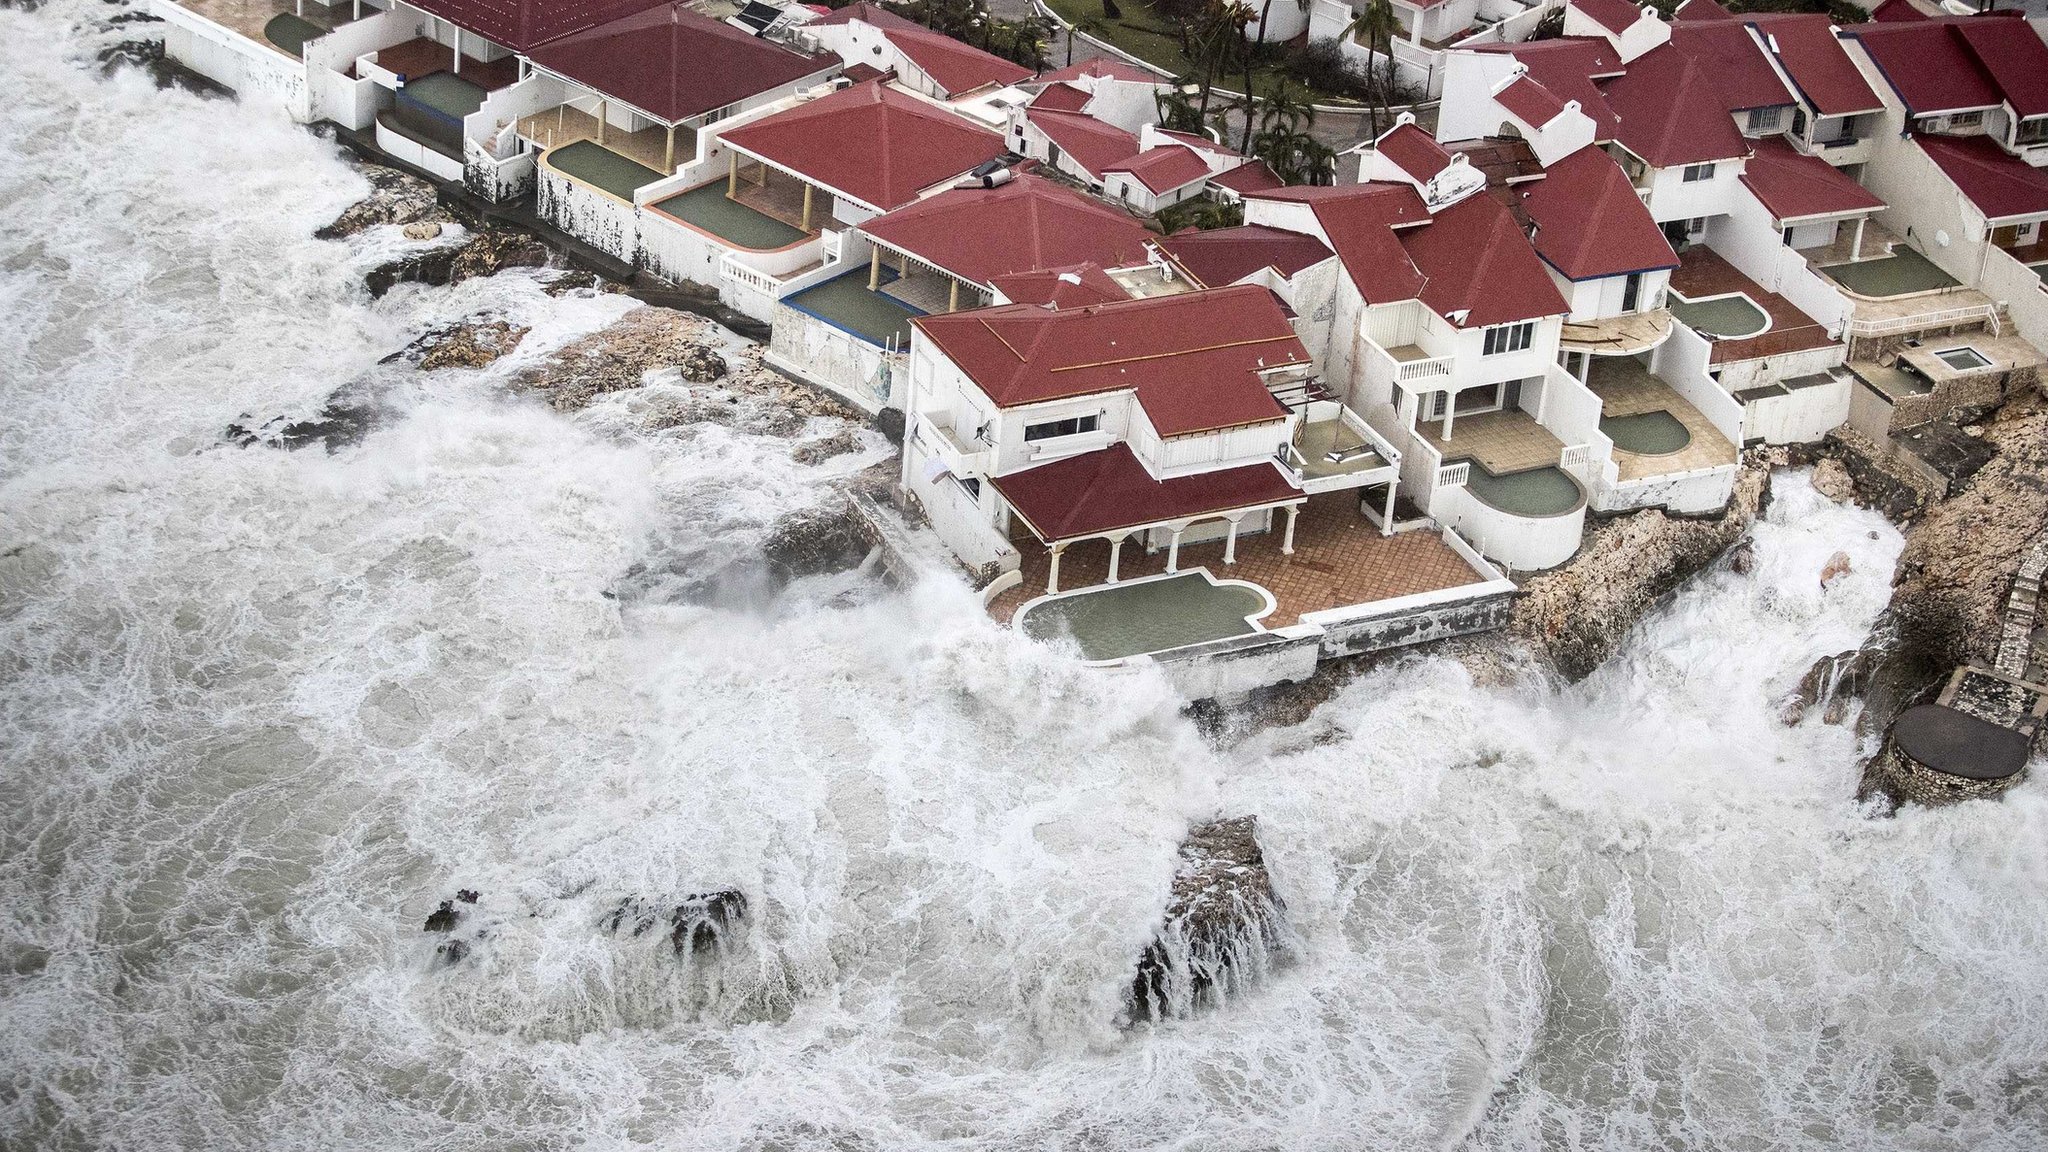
[
  {"x": 1503, "y": 442},
  {"x": 1656, "y": 432},
  {"x": 420, "y": 57},
  {"x": 847, "y": 303},
  {"x": 280, "y": 24},
  {"x": 1340, "y": 559},
  {"x": 1703, "y": 276},
  {"x": 708, "y": 208},
  {"x": 601, "y": 168}
]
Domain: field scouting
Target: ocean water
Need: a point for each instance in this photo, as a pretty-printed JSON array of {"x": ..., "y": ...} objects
[{"x": 261, "y": 711}]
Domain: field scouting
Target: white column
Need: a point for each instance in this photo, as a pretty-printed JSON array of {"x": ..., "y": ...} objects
[
  {"x": 458, "y": 50},
  {"x": 1116, "y": 552},
  {"x": 1386, "y": 518},
  {"x": 1230, "y": 539},
  {"x": 1052, "y": 578},
  {"x": 1287, "y": 543},
  {"x": 1585, "y": 367},
  {"x": 1450, "y": 411},
  {"x": 1856, "y": 249},
  {"x": 1173, "y": 549}
]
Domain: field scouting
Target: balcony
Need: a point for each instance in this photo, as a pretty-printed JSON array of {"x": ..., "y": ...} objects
[
  {"x": 1408, "y": 366},
  {"x": 962, "y": 456},
  {"x": 1334, "y": 448}
]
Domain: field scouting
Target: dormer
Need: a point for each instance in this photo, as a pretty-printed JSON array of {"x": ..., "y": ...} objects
[{"x": 1632, "y": 31}]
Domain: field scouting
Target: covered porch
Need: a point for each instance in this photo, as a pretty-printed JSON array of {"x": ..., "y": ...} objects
[
  {"x": 1503, "y": 441},
  {"x": 920, "y": 284},
  {"x": 588, "y": 118},
  {"x": 776, "y": 192}
]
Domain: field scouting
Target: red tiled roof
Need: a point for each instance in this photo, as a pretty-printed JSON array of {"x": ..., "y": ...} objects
[
  {"x": 1093, "y": 144},
  {"x": 1359, "y": 220},
  {"x": 1165, "y": 168},
  {"x": 1198, "y": 140},
  {"x": 1061, "y": 98},
  {"x": 862, "y": 73},
  {"x": 1191, "y": 358},
  {"x": 1075, "y": 286},
  {"x": 871, "y": 142},
  {"x": 1590, "y": 221},
  {"x": 1476, "y": 260},
  {"x": 2016, "y": 58},
  {"x": 1414, "y": 151},
  {"x": 1897, "y": 11},
  {"x": 1731, "y": 58},
  {"x": 1818, "y": 63},
  {"x": 2000, "y": 185},
  {"x": 521, "y": 24},
  {"x": 1794, "y": 186},
  {"x": 1103, "y": 66},
  {"x": 954, "y": 66},
  {"x": 675, "y": 64},
  {"x": 1222, "y": 256},
  {"x": 1670, "y": 112},
  {"x": 1103, "y": 491},
  {"x": 1029, "y": 223},
  {"x": 1702, "y": 10},
  {"x": 1616, "y": 16},
  {"x": 1530, "y": 102},
  {"x": 1931, "y": 68},
  {"x": 1569, "y": 68},
  {"x": 1249, "y": 177}
]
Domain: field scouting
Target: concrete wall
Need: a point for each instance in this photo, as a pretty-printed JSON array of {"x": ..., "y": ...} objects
[
  {"x": 600, "y": 220},
  {"x": 1801, "y": 416},
  {"x": 258, "y": 73},
  {"x": 1601, "y": 298},
  {"x": 857, "y": 371}
]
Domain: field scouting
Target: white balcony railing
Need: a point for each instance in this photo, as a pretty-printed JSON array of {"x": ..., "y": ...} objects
[{"x": 1454, "y": 475}]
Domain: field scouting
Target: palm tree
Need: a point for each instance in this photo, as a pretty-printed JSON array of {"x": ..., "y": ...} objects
[{"x": 1378, "y": 26}]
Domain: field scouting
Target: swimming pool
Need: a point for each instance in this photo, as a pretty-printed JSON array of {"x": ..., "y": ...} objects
[
  {"x": 1963, "y": 359},
  {"x": 1903, "y": 273},
  {"x": 1734, "y": 316},
  {"x": 1154, "y": 614},
  {"x": 1546, "y": 491},
  {"x": 1646, "y": 434},
  {"x": 595, "y": 164}
]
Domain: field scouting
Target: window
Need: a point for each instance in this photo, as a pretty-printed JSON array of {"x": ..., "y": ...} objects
[
  {"x": 1056, "y": 428},
  {"x": 1694, "y": 173},
  {"x": 1966, "y": 120},
  {"x": 1766, "y": 119},
  {"x": 1510, "y": 337},
  {"x": 2032, "y": 132}
]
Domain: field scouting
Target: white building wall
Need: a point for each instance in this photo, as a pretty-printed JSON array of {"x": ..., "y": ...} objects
[
  {"x": 258, "y": 73},
  {"x": 1672, "y": 197}
]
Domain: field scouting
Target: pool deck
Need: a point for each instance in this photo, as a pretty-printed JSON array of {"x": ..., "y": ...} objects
[
  {"x": 1626, "y": 388},
  {"x": 1503, "y": 442},
  {"x": 1635, "y": 332},
  {"x": 1340, "y": 559},
  {"x": 647, "y": 147},
  {"x": 1702, "y": 272},
  {"x": 249, "y": 17}
]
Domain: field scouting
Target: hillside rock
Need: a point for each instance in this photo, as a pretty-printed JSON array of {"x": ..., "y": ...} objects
[
  {"x": 1224, "y": 924},
  {"x": 816, "y": 541},
  {"x": 1575, "y": 615},
  {"x": 1832, "y": 480}
]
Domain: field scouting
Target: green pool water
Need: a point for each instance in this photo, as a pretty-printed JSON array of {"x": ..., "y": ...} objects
[
  {"x": 2040, "y": 270},
  {"x": 1536, "y": 492},
  {"x": 291, "y": 32},
  {"x": 846, "y": 302},
  {"x": 1119, "y": 620},
  {"x": 1728, "y": 316},
  {"x": 593, "y": 163},
  {"x": 1902, "y": 273},
  {"x": 445, "y": 92},
  {"x": 708, "y": 207},
  {"x": 1648, "y": 434}
]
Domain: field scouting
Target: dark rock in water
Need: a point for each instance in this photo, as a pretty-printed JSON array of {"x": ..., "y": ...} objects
[
  {"x": 451, "y": 952},
  {"x": 340, "y": 424},
  {"x": 700, "y": 923},
  {"x": 890, "y": 423},
  {"x": 148, "y": 56},
  {"x": 1742, "y": 557},
  {"x": 700, "y": 365},
  {"x": 468, "y": 895},
  {"x": 823, "y": 449},
  {"x": 816, "y": 541},
  {"x": 580, "y": 280},
  {"x": 444, "y": 918},
  {"x": 1832, "y": 682},
  {"x": 483, "y": 254},
  {"x": 1224, "y": 924}
]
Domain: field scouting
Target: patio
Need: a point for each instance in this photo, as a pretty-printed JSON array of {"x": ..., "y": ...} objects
[
  {"x": 708, "y": 207},
  {"x": 1503, "y": 442},
  {"x": 778, "y": 195},
  {"x": 252, "y": 17},
  {"x": 1703, "y": 273},
  {"x": 1339, "y": 559},
  {"x": 602, "y": 168},
  {"x": 420, "y": 57},
  {"x": 648, "y": 147},
  {"x": 1629, "y": 392}
]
